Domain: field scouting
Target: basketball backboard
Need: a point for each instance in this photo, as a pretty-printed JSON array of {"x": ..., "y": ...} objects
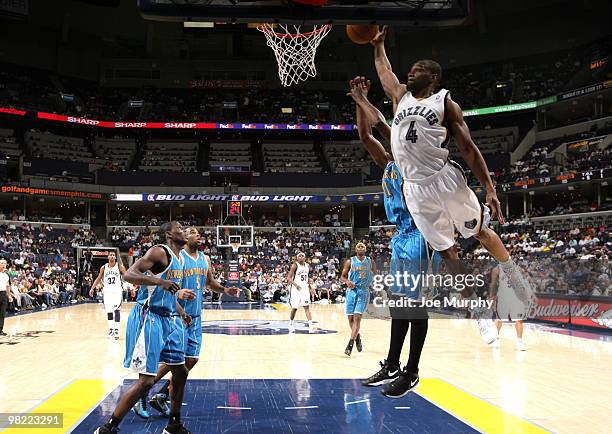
[
  {"x": 405, "y": 13},
  {"x": 230, "y": 235}
]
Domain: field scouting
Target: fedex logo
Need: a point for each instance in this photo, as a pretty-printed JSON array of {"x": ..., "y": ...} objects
[{"x": 226, "y": 126}]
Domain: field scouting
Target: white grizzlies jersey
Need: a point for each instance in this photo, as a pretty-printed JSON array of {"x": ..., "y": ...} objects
[
  {"x": 112, "y": 278},
  {"x": 301, "y": 275},
  {"x": 418, "y": 136}
]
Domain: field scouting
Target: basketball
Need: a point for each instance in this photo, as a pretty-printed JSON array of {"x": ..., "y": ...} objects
[{"x": 361, "y": 34}]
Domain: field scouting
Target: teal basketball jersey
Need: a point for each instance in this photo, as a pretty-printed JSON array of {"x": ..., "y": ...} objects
[
  {"x": 157, "y": 297},
  {"x": 194, "y": 278},
  {"x": 361, "y": 272},
  {"x": 395, "y": 204}
]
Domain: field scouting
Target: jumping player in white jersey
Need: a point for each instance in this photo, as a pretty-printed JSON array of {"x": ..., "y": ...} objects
[
  {"x": 300, "y": 291},
  {"x": 112, "y": 292},
  {"x": 440, "y": 200}
]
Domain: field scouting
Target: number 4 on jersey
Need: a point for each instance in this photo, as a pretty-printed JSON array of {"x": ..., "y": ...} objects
[{"x": 411, "y": 135}]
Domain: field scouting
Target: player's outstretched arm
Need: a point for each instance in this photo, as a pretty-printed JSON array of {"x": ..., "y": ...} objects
[
  {"x": 154, "y": 258},
  {"x": 392, "y": 86},
  {"x": 216, "y": 286},
  {"x": 373, "y": 146},
  {"x": 368, "y": 116},
  {"x": 345, "y": 272},
  {"x": 97, "y": 281},
  {"x": 472, "y": 156},
  {"x": 291, "y": 276}
]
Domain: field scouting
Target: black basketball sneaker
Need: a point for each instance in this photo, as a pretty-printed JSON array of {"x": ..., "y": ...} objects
[
  {"x": 358, "y": 343},
  {"x": 176, "y": 428},
  {"x": 387, "y": 374},
  {"x": 349, "y": 348},
  {"x": 158, "y": 402},
  {"x": 401, "y": 385},
  {"x": 106, "y": 429}
]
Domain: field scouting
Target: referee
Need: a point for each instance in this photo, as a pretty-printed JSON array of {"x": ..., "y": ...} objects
[{"x": 4, "y": 294}]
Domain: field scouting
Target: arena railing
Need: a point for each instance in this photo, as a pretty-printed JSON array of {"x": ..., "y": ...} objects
[{"x": 38, "y": 224}]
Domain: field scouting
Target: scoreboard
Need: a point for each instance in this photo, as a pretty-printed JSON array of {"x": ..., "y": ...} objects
[{"x": 234, "y": 208}]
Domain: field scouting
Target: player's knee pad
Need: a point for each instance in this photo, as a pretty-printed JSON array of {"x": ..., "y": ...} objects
[
  {"x": 109, "y": 316},
  {"x": 117, "y": 315}
]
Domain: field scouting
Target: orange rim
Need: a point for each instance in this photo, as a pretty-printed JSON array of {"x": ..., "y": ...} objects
[{"x": 265, "y": 29}]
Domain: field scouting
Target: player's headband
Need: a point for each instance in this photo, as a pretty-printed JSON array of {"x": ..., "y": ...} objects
[
  {"x": 360, "y": 244},
  {"x": 301, "y": 254}
]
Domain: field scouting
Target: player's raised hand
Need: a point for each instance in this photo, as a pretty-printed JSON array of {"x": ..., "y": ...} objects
[
  {"x": 232, "y": 291},
  {"x": 185, "y": 294},
  {"x": 494, "y": 204},
  {"x": 359, "y": 88},
  {"x": 380, "y": 36}
]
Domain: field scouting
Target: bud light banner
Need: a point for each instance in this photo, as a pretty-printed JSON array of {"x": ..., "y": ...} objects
[{"x": 349, "y": 198}]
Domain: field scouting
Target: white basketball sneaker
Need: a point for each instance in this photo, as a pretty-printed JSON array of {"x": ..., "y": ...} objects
[
  {"x": 520, "y": 345},
  {"x": 486, "y": 326}
]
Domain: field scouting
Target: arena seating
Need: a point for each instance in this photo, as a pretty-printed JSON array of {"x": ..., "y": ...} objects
[
  {"x": 230, "y": 153},
  {"x": 291, "y": 158},
  {"x": 8, "y": 143},
  {"x": 176, "y": 156},
  {"x": 348, "y": 157},
  {"x": 118, "y": 153},
  {"x": 46, "y": 145}
]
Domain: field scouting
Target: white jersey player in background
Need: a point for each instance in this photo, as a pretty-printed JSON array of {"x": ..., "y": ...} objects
[
  {"x": 299, "y": 291},
  {"x": 435, "y": 187},
  {"x": 508, "y": 307},
  {"x": 112, "y": 292}
]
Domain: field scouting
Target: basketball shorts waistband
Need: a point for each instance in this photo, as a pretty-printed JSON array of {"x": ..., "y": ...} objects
[
  {"x": 156, "y": 310},
  {"x": 448, "y": 166}
]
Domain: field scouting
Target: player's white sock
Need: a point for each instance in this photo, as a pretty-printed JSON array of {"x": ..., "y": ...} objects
[{"x": 290, "y": 323}]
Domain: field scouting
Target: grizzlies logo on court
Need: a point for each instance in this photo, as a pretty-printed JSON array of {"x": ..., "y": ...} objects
[{"x": 258, "y": 327}]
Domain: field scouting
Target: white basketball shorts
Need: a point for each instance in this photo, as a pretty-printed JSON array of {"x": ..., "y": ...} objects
[
  {"x": 112, "y": 299},
  {"x": 508, "y": 306},
  {"x": 442, "y": 202},
  {"x": 299, "y": 297}
]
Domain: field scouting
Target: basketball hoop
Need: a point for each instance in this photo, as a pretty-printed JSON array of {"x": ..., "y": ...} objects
[{"x": 294, "y": 51}]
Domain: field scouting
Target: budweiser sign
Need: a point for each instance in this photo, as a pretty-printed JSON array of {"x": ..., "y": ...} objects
[{"x": 589, "y": 312}]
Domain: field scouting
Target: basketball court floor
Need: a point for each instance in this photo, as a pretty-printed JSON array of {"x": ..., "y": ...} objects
[{"x": 254, "y": 377}]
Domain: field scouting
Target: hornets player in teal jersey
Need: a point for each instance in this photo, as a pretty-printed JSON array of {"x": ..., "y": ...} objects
[
  {"x": 357, "y": 274},
  {"x": 153, "y": 333},
  {"x": 197, "y": 274},
  {"x": 409, "y": 254}
]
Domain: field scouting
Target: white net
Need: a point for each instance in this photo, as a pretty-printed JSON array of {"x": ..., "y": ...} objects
[{"x": 295, "y": 51}]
